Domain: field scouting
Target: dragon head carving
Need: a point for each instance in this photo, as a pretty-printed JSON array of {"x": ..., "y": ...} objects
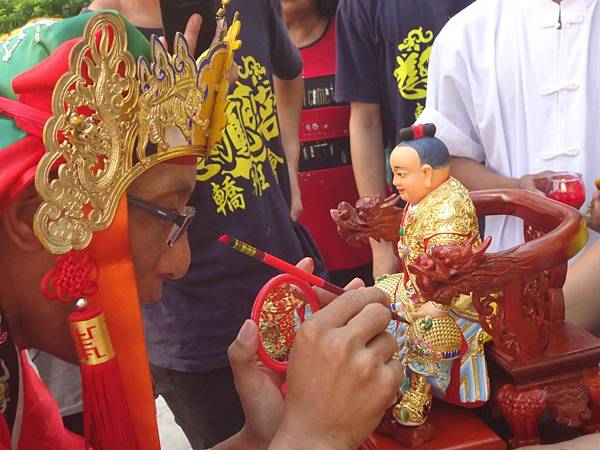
[
  {"x": 371, "y": 217},
  {"x": 445, "y": 271}
]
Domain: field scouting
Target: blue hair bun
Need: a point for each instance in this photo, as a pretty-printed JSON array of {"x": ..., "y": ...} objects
[{"x": 431, "y": 150}]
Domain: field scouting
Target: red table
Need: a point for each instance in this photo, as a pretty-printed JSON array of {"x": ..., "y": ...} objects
[{"x": 457, "y": 428}]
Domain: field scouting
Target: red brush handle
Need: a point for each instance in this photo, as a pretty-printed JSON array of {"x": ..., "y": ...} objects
[
  {"x": 303, "y": 275},
  {"x": 279, "y": 264}
]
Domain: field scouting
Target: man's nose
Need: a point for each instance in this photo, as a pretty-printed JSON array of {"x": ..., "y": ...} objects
[{"x": 177, "y": 258}]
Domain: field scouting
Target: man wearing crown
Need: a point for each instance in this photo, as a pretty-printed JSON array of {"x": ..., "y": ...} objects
[{"x": 97, "y": 163}]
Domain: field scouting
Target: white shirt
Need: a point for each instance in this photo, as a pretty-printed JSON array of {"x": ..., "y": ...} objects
[{"x": 507, "y": 87}]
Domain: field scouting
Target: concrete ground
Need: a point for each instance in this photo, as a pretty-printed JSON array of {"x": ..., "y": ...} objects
[{"x": 171, "y": 436}]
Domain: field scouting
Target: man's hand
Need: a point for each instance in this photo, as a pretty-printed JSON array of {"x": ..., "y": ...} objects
[
  {"x": 259, "y": 389},
  {"x": 296, "y": 207},
  {"x": 537, "y": 182},
  {"x": 592, "y": 215},
  {"x": 341, "y": 374},
  {"x": 325, "y": 297},
  {"x": 192, "y": 30}
]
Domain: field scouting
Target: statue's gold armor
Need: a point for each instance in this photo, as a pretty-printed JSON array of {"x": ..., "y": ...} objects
[{"x": 428, "y": 346}]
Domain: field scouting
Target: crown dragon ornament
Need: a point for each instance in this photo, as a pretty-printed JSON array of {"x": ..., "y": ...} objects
[{"x": 114, "y": 118}]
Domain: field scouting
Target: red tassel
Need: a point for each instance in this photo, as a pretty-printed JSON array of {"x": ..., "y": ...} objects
[{"x": 107, "y": 423}]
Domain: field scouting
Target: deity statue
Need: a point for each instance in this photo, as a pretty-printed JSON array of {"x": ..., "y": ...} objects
[{"x": 439, "y": 342}]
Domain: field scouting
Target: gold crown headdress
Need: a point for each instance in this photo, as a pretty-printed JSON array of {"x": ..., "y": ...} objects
[{"x": 107, "y": 109}]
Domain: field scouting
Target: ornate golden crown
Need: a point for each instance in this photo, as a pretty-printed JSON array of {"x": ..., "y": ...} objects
[{"x": 107, "y": 110}]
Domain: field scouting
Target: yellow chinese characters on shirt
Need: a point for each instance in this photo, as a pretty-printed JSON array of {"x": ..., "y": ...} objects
[
  {"x": 411, "y": 66},
  {"x": 244, "y": 156}
]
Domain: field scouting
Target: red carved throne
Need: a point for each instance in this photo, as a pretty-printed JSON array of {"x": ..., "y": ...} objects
[{"x": 543, "y": 369}]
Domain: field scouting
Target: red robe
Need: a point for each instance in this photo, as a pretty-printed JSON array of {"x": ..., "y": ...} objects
[{"x": 38, "y": 424}]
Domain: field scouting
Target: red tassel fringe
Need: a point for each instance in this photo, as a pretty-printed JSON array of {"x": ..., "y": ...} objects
[{"x": 106, "y": 420}]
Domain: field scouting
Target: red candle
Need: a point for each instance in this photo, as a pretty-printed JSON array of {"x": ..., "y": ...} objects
[{"x": 567, "y": 188}]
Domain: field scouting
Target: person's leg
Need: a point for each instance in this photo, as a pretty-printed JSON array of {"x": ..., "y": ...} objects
[{"x": 205, "y": 404}]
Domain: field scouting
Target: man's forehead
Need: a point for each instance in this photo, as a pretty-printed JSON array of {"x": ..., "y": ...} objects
[
  {"x": 166, "y": 178},
  {"x": 177, "y": 176}
]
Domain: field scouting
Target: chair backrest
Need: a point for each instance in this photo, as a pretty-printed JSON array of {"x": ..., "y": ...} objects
[{"x": 530, "y": 298}]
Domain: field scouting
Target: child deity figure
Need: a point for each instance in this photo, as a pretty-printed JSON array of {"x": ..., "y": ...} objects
[{"x": 441, "y": 345}]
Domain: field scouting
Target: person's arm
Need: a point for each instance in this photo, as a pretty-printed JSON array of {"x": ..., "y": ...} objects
[
  {"x": 287, "y": 67},
  {"x": 592, "y": 215},
  {"x": 581, "y": 290},
  {"x": 238, "y": 441},
  {"x": 356, "y": 83},
  {"x": 475, "y": 176},
  {"x": 289, "y": 98},
  {"x": 368, "y": 163},
  {"x": 366, "y": 148}
]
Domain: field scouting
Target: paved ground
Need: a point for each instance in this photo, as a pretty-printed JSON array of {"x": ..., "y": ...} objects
[{"x": 171, "y": 436}]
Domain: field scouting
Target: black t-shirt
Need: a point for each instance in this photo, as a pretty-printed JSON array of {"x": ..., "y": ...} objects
[
  {"x": 242, "y": 190},
  {"x": 383, "y": 49}
]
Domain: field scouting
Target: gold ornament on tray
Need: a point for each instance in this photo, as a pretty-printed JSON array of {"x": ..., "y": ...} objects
[{"x": 277, "y": 324}]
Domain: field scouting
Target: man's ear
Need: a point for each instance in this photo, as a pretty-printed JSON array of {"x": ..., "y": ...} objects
[
  {"x": 18, "y": 219},
  {"x": 427, "y": 171}
]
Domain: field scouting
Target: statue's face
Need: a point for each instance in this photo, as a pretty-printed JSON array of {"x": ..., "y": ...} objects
[{"x": 412, "y": 179}]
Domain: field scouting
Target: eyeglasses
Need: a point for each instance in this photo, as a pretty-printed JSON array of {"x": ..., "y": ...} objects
[{"x": 181, "y": 221}]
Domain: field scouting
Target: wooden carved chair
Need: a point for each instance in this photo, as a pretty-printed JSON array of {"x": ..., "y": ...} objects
[{"x": 543, "y": 369}]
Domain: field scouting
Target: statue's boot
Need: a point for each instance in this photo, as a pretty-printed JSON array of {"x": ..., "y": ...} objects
[{"x": 412, "y": 410}]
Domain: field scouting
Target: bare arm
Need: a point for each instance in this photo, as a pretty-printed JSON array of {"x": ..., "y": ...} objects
[
  {"x": 581, "y": 290},
  {"x": 239, "y": 441},
  {"x": 475, "y": 176},
  {"x": 289, "y": 97},
  {"x": 368, "y": 162},
  {"x": 366, "y": 148},
  {"x": 283, "y": 440}
]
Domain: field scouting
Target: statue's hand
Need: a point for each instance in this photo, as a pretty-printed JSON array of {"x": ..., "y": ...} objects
[{"x": 431, "y": 309}]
